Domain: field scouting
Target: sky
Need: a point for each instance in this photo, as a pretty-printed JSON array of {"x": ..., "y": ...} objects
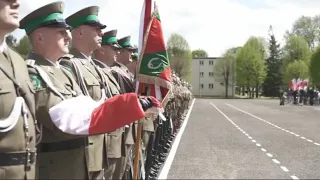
[{"x": 212, "y": 25}]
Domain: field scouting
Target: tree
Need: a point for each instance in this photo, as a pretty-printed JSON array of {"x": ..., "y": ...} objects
[
  {"x": 273, "y": 81},
  {"x": 23, "y": 46},
  {"x": 251, "y": 69},
  {"x": 199, "y": 53},
  {"x": 11, "y": 41},
  {"x": 295, "y": 70},
  {"x": 296, "y": 48},
  {"x": 180, "y": 55},
  {"x": 224, "y": 69},
  {"x": 314, "y": 68},
  {"x": 306, "y": 27}
]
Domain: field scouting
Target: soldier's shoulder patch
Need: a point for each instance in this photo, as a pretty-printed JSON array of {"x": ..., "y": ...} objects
[{"x": 37, "y": 82}]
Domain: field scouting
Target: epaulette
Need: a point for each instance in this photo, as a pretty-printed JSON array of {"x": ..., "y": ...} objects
[{"x": 30, "y": 62}]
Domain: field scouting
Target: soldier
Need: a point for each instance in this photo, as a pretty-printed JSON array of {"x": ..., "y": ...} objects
[
  {"x": 17, "y": 115},
  {"x": 115, "y": 147},
  {"x": 55, "y": 86},
  {"x": 125, "y": 59},
  {"x": 86, "y": 37}
]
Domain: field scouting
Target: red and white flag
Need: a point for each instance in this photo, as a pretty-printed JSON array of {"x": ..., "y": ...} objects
[{"x": 84, "y": 116}]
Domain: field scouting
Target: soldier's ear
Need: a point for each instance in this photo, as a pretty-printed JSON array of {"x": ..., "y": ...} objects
[{"x": 38, "y": 36}]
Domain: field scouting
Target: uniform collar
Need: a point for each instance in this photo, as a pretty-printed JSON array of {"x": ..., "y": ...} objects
[
  {"x": 45, "y": 61},
  {"x": 3, "y": 46}
]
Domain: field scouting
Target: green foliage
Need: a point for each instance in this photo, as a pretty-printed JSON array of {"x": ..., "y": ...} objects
[
  {"x": 314, "y": 67},
  {"x": 250, "y": 65},
  {"x": 295, "y": 70},
  {"x": 273, "y": 81},
  {"x": 180, "y": 55},
  {"x": 199, "y": 53},
  {"x": 224, "y": 69},
  {"x": 23, "y": 47},
  {"x": 307, "y": 28}
]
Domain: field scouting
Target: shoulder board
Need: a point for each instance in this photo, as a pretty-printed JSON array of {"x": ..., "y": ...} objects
[{"x": 30, "y": 62}]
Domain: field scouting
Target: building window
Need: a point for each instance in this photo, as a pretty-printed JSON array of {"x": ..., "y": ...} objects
[
  {"x": 222, "y": 84},
  {"x": 210, "y": 74},
  {"x": 201, "y": 62},
  {"x": 211, "y": 62},
  {"x": 201, "y": 74},
  {"x": 210, "y": 86},
  {"x": 201, "y": 86}
]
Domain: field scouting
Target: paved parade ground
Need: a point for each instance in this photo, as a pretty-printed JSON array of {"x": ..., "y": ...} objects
[{"x": 246, "y": 139}]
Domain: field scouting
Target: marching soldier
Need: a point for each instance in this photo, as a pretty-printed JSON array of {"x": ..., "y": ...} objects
[
  {"x": 17, "y": 115},
  {"x": 57, "y": 94},
  {"x": 114, "y": 141}
]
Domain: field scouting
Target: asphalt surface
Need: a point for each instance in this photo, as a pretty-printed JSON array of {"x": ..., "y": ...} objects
[{"x": 249, "y": 139}]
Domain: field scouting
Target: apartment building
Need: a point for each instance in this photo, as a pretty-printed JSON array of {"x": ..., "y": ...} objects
[{"x": 203, "y": 82}]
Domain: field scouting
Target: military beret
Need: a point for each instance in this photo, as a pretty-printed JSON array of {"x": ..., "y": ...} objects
[
  {"x": 50, "y": 15},
  {"x": 110, "y": 38},
  {"x": 125, "y": 43},
  {"x": 86, "y": 16}
]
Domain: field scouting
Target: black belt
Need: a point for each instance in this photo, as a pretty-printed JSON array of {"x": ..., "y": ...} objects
[
  {"x": 62, "y": 145},
  {"x": 14, "y": 159}
]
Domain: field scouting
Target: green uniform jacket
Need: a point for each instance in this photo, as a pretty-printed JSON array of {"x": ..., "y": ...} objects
[
  {"x": 92, "y": 83},
  {"x": 114, "y": 141},
  {"x": 16, "y": 141},
  {"x": 61, "y": 155}
]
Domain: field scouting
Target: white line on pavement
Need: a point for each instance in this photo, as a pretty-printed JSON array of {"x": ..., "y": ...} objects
[
  {"x": 166, "y": 167},
  {"x": 245, "y": 112},
  {"x": 259, "y": 145}
]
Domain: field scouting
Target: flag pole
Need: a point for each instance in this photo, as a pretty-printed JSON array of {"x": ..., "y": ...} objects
[{"x": 139, "y": 130}]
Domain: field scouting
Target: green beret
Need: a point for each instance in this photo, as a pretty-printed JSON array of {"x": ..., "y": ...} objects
[
  {"x": 86, "y": 16},
  {"x": 50, "y": 15}
]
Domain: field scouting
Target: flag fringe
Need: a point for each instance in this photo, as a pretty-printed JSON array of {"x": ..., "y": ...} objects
[{"x": 142, "y": 78}]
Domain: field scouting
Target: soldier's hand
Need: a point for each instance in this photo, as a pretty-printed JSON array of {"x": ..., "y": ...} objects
[
  {"x": 146, "y": 102},
  {"x": 150, "y": 105}
]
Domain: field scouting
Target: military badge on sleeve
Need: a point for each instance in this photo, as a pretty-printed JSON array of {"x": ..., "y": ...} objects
[{"x": 37, "y": 82}]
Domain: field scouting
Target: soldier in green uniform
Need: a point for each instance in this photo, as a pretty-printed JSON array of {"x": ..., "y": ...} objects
[
  {"x": 49, "y": 39},
  {"x": 86, "y": 37},
  {"x": 123, "y": 60},
  {"x": 114, "y": 142},
  {"x": 17, "y": 114}
]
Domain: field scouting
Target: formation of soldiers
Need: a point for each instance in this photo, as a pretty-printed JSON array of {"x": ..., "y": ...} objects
[
  {"x": 164, "y": 131},
  {"x": 306, "y": 96},
  {"x": 67, "y": 115}
]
